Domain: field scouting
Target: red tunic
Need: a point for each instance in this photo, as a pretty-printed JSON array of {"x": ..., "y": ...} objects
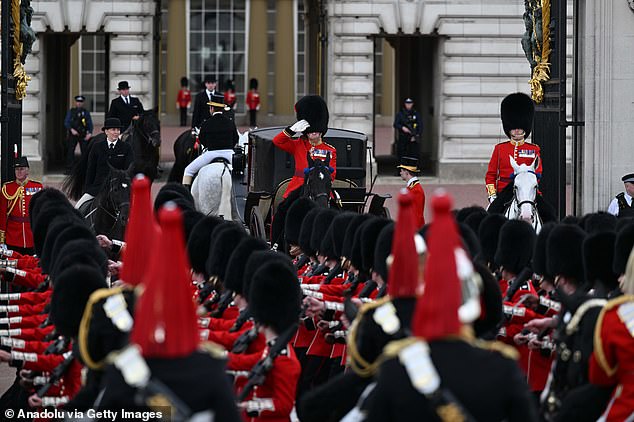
[
  {"x": 418, "y": 194},
  {"x": 230, "y": 98},
  {"x": 15, "y": 228},
  {"x": 184, "y": 98},
  {"x": 612, "y": 362},
  {"x": 500, "y": 170},
  {"x": 299, "y": 148},
  {"x": 253, "y": 100}
]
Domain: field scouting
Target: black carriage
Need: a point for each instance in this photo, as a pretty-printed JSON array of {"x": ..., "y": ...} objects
[{"x": 270, "y": 170}]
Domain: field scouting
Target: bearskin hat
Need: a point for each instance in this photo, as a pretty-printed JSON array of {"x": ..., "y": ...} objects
[
  {"x": 598, "y": 255},
  {"x": 184, "y": 81},
  {"x": 623, "y": 248},
  {"x": 488, "y": 233},
  {"x": 306, "y": 232},
  {"x": 253, "y": 83},
  {"x": 294, "y": 217},
  {"x": 44, "y": 219},
  {"x": 58, "y": 236},
  {"x": 517, "y": 111},
  {"x": 70, "y": 294},
  {"x": 564, "y": 252},
  {"x": 570, "y": 219},
  {"x": 382, "y": 250},
  {"x": 338, "y": 227},
  {"x": 474, "y": 220},
  {"x": 491, "y": 301},
  {"x": 234, "y": 275},
  {"x": 598, "y": 222},
  {"x": 469, "y": 240},
  {"x": 314, "y": 110},
  {"x": 256, "y": 261},
  {"x": 622, "y": 222},
  {"x": 275, "y": 296},
  {"x": 322, "y": 222},
  {"x": 199, "y": 242},
  {"x": 515, "y": 246},
  {"x": 463, "y": 213},
  {"x": 539, "y": 253},
  {"x": 356, "y": 251},
  {"x": 353, "y": 226},
  {"x": 218, "y": 132},
  {"x": 224, "y": 243},
  {"x": 79, "y": 251},
  {"x": 175, "y": 192},
  {"x": 190, "y": 219},
  {"x": 48, "y": 197},
  {"x": 368, "y": 242}
]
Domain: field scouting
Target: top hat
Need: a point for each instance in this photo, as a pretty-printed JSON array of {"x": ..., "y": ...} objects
[
  {"x": 628, "y": 178},
  {"x": 410, "y": 164},
  {"x": 123, "y": 85},
  {"x": 21, "y": 162},
  {"x": 80, "y": 98},
  {"x": 210, "y": 78},
  {"x": 112, "y": 123}
]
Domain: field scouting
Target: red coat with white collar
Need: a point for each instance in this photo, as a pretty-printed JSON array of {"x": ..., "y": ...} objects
[{"x": 500, "y": 170}]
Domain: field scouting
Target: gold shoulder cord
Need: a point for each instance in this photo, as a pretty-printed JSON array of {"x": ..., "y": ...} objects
[
  {"x": 599, "y": 353},
  {"x": 84, "y": 325},
  {"x": 359, "y": 365},
  {"x": 12, "y": 199}
]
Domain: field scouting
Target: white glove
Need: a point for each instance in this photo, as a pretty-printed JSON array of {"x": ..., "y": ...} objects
[
  {"x": 492, "y": 198},
  {"x": 300, "y": 126}
]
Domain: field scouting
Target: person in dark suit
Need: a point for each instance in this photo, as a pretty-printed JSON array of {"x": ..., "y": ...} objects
[
  {"x": 104, "y": 153},
  {"x": 125, "y": 107},
  {"x": 201, "y": 109}
]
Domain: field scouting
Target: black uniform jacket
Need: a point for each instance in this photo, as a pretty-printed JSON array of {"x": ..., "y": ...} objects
[
  {"x": 121, "y": 157},
  {"x": 125, "y": 112}
]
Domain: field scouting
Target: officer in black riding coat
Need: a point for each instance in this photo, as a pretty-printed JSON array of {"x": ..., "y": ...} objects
[{"x": 125, "y": 107}]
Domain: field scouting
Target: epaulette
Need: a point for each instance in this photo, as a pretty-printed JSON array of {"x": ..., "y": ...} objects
[
  {"x": 505, "y": 350},
  {"x": 35, "y": 181},
  {"x": 410, "y": 187},
  {"x": 573, "y": 325},
  {"x": 326, "y": 143},
  {"x": 215, "y": 350},
  {"x": 598, "y": 344}
]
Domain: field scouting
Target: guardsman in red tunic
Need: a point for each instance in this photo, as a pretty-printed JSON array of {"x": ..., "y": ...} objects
[
  {"x": 517, "y": 112},
  {"x": 312, "y": 116},
  {"x": 253, "y": 102},
  {"x": 408, "y": 171},
  {"x": 15, "y": 227}
]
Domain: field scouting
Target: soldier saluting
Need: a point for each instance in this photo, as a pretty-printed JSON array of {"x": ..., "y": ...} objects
[{"x": 517, "y": 111}]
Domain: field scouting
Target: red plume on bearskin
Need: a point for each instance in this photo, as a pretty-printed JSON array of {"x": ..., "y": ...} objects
[
  {"x": 436, "y": 314},
  {"x": 165, "y": 323},
  {"x": 404, "y": 272},
  {"x": 139, "y": 233}
]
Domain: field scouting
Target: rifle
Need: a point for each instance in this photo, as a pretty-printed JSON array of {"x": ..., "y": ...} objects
[
  {"x": 242, "y": 343},
  {"x": 56, "y": 374},
  {"x": 263, "y": 367},
  {"x": 58, "y": 346},
  {"x": 243, "y": 317},
  {"x": 223, "y": 303},
  {"x": 520, "y": 281}
]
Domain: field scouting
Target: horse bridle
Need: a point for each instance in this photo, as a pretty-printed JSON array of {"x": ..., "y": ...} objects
[
  {"x": 148, "y": 136},
  {"x": 116, "y": 217},
  {"x": 319, "y": 195}
]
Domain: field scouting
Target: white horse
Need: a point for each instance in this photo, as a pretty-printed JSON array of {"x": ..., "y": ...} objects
[
  {"x": 523, "y": 206},
  {"x": 213, "y": 191}
]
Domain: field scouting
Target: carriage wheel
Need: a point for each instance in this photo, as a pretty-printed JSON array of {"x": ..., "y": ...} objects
[
  {"x": 256, "y": 224},
  {"x": 385, "y": 213}
]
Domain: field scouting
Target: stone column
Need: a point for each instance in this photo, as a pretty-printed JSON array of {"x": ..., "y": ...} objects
[
  {"x": 284, "y": 58},
  {"x": 607, "y": 63}
]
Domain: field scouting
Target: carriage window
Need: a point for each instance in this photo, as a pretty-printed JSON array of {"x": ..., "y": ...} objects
[
  {"x": 92, "y": 62},
  {"x": 217, "y": 45}
]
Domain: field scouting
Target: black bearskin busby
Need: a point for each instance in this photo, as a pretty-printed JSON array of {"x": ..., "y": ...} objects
[
  {"x": 322, "y": 222},
  {"x": 463, "y": 213},
  {"x": 305, "y": 233},
  {"x": 294, "y": 218},
  {"x": 314, "y": 110},
  {"x": 46, "y": 197},
  {"x": 598, "y": 255},
  {"x": 598, "y": 222},
  {"x": 474, "y": 220},
  {"x": 253, "y": 83},
  {"x": 218, "y": 132},
  {"x": 356, "y": 250},
  {"x": 275, "y": 296},
  {"x": 45, "y": 218},
  {"x": 491, "y": 299},
  {"x": 382, "y": 251},
  {"x": 564, "y": 252},
  {"x": 176, "y": 193},
  {"x": 623, "y": 248},
  {"x": 199, "y": 242},
  {"x": 256, "y": 261},
  {"x": 488, "y": 234},
  {"x": 57, "y": 238},
  {"x": 234, "y": 275},
  {"x": 517, "y": 111},
  {"x": 70, "y": 294},
  {"x": 469, "y": 239},
  {"x": 190, "y": 219},
  {"x": 539, "y": 253},
  {"x": 348, "y": 240},
  {"x": 333, "y": 240},
  {"x": 368, "y": 239},
  {"x": 184, "y": 82},
  {"x": 79, "y": 251},
  {"x": 515, "y": 246},
  {"x": 225, "y": 240}
]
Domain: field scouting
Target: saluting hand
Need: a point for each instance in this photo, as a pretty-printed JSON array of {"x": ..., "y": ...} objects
[{"x": 300, "y": 126}]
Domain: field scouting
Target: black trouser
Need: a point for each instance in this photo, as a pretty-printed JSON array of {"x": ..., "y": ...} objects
[
  {"x": 252, "y": 118},
  {"x": 183, "y": 116},
  {"x": 406, "y": 148},
  {"x": 71, "y": 144}
]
